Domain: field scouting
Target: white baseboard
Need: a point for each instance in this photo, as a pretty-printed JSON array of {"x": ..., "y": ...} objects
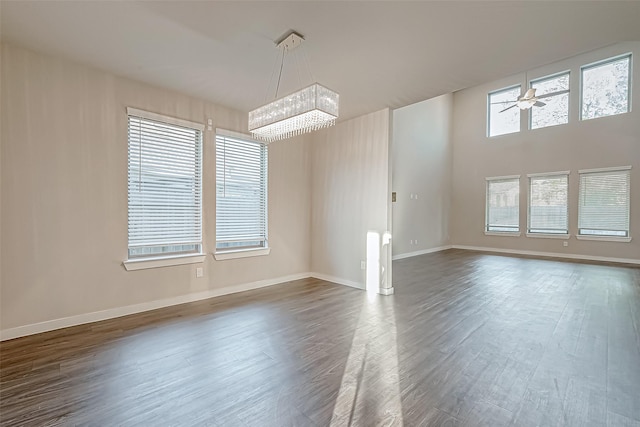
[
  {"x": 422, "y": 252},
  {"x": 549, "y": 254},
  {"x": 338, "y": 280},
  {"x": 111, "y": 313},
  {"x": 386, "y": 291}
]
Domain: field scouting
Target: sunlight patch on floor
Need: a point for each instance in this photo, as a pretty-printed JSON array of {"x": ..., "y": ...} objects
[{"x": 370, "y": 388}]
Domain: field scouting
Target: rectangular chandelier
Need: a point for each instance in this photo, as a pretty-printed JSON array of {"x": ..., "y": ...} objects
[{"x": 309, "y": 109}]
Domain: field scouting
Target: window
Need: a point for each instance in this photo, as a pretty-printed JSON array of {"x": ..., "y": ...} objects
[
  {"x": 606, "y": 88},
  {"x": 603, "y": 209},
  {"x": 554, "y": 92},
  {"x": 165, "y": 185},
  {"x": 548, "y": 203},
  {"x": 503, "y": 122},
  {"x": 241, "y": 192},
  {"x": 503, "y": 204}
]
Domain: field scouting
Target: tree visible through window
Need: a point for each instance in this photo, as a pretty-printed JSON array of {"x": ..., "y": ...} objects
[
  {"x": 606, "y": 88},
  {"x": 556, "y": 110},
  {"x": 503, "y": 122}
]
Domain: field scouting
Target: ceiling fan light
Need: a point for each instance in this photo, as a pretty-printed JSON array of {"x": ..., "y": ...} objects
[{"x": 525, "y": 104}]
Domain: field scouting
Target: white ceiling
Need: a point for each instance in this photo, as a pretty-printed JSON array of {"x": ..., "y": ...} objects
[{"x": 375, "y": 54}]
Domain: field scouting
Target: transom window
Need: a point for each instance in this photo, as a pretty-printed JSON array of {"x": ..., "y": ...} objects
[
  {"x": 504, "y": 115},
  {"x": 553, "y": 91},
  {"x": 548, "y": 196},
  {"x": 603, "y": 209},
  {"x": 241, "y": 192},
  {"x": 165, "y": 185},
  {"x": 606, "y": 88},
  {"x": 503, "y": 204}
]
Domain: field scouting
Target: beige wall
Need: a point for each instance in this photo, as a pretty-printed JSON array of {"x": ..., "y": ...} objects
[
  {"x": 350, "y": 192},
  {"x": 421, "y": 152},
  {"x": 604, "y": 142},
  {"x": 64, "y": 194}
]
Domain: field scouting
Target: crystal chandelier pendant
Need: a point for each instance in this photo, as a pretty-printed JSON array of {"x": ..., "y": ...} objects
[
  {"x": 306, "y": 110},
  {"x": 309, "y": 109}
]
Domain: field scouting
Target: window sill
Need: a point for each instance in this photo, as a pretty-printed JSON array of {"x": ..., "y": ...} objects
[
  {"x": 165, "y": 261},
  {"x": 241, "y": 253},
  {"x": 605, "y": 238},
  {"x": 549, "y": 236},
  {"x": 502, "y": 233}
]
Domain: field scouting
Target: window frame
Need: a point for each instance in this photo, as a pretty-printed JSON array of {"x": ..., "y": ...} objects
[
  {"x": 600, "y": 63},
  {"x": 530, "y": 232},
  {"x": 544, "y": 79},
  {"x": 488, "y": 181},
  {"x": 163, "y": 259},
  {"x": 497, "y": 91},
  {"x": 605, "y": 238},
  {"x": 253, "y": 250}
]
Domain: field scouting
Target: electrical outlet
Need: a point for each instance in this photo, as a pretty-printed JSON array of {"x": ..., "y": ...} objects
[
  {"x": 363, "y": 265},
  {"x": 199, "y": 272},
  {"x": 565, "y": 244}
]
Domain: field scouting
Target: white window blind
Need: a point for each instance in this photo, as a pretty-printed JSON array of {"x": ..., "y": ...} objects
[
  {"x": 503, "y": 204},
  {"x": 548, "y": 195},
  {"x": 165, "y": 185},
  {"x": 603, "y": 208},
  {"x": 241, "y": 192}
]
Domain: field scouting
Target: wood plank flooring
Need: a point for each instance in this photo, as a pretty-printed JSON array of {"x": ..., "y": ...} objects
[{"x": 469, "y": 339}]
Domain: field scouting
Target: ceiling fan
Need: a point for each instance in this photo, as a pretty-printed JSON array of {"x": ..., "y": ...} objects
[{"x": 529, "y": 99}]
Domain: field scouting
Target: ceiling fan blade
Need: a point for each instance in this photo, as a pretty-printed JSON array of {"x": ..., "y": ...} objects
[
  {"x": 530, "y": 93},
  {"x": 503, "y": 102},
  {"x": 508, "y": 108},
  {"x": 539, "y": 104},
  {"x": 546, "y": 95}
]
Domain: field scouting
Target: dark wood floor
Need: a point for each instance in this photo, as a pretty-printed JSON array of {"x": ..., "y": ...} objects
[{"x": 468, "y": 339}]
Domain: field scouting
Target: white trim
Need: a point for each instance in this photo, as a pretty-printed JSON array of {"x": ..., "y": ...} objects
[
  {"x": 500, "y": 178},
  {"x": 165, "y": 119},
  {"x": 164, "y": 261},
  {"x": 421, "y": 252},
  {"x": 549, "y": 77},
  {"x": 239, "y": 135},
  {"x": 604, "y": 238},
  {"x": 386, "y": 291},
  {"x": 535, "y": 175},
  {"x": 606, "y": 60},
  {"x": 241, "y": 253},
  {"x": 549, "y": 236},
  {"x": 111, "y": 313},
  {"x": 503, "y": 233},
  {"x": 549, "y": 254},
  {"x": 611, "y": 169},
  {"x": 338, "y": 280}
]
